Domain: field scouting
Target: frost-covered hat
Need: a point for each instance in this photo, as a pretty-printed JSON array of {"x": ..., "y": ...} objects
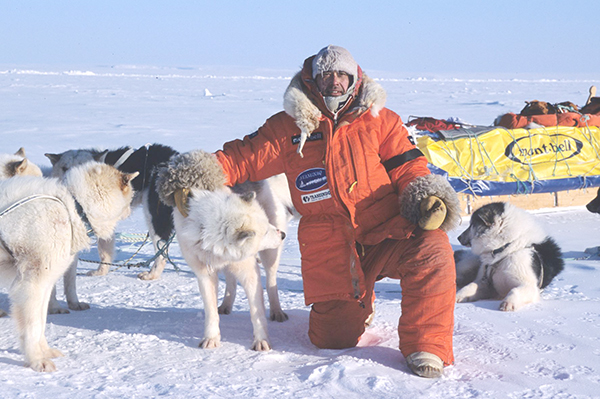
[{"x": 334, "y": 58}]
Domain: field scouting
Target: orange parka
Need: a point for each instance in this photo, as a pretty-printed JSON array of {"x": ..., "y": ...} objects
[{"x": 345, "y": 183}]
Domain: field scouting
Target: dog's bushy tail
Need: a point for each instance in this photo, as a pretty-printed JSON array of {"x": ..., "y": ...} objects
[
  {"x": 552, "y": 261},
  {"x": 195, "y": 169}
]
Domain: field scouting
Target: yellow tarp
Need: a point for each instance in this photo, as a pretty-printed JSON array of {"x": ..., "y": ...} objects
[{"x": 518, "y": 155}]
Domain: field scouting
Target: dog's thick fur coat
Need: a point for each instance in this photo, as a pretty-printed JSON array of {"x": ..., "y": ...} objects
[
  {"x": 223, "y": 231},
  {"x": 158, "y": 215},
  {"x": 41, "y": 233},
  {"x": 516, "y": 259}
]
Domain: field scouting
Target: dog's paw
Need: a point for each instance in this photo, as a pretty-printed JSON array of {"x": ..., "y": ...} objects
[
  {"x": 42, "y": 365},
  {"x": 464, "y": 298},
  {"x": 261, "y": 345},
  {"x": 210, "y": 343},
  {"x": 280, "y": 316},
  {"x": 52, "y": 353},
  {"x": 508, "y": 306},
  {"x": 79, "y": 306},
  {"x": 97, "y": 273},
  {"x": 224, "y": 309},
  {"x": 147, "y": 276},
  {"x": 58, "y": 310}
]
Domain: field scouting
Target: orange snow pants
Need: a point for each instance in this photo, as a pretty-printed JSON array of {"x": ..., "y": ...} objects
[{"x": 424, "y": 263}]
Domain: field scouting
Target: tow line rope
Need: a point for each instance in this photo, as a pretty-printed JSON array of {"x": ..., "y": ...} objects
[{"x": 163, "y": 250}]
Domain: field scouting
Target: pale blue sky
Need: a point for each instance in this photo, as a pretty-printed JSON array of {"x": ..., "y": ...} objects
[{"x": 419, "y": 36}]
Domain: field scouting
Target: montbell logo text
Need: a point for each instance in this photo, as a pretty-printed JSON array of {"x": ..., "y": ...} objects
[{"x": 557, "y": 147}]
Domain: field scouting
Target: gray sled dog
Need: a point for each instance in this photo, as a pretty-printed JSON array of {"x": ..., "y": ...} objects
[
  {"x": 218, "y": 230},
  {"x": 512, "y": 257},
  {"x": 41, "y": 232}
]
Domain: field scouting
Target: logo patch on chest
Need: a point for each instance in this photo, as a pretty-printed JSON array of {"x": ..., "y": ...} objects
[
  {"x": 311, "y": 179},
  {"x": 314, "y": 197}
]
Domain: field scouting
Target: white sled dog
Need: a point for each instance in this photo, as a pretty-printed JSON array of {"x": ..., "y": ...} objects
[
  {"x": 273, "y": 195},
  {"x": 514, "y": 258},
  {"x": 158, "y": 216},
  {"x": 41, "y": 232},
  {"x": 16, "y": 164},
  {"x": 218, "y": 230}
]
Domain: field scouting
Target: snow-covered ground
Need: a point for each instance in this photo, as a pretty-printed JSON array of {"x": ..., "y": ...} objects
[{"x": 139, "y": 339}]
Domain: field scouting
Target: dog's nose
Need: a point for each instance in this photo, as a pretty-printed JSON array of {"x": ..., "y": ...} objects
[
  {"x": 282, "y": 235},
  {"x": 463, "y": 240}
]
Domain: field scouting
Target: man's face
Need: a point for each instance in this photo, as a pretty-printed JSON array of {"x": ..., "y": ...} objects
[{"x": 333, "y": 83}]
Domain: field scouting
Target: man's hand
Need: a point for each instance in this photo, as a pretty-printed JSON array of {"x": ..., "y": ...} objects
[{"x": 433, "y": 213}]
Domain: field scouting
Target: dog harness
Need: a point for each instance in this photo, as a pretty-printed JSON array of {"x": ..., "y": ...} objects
[{"x": 21, "y": 202}]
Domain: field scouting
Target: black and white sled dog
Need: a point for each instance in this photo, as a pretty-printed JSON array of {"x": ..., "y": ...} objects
[
  {"x": 512, "y": 257},
  {"x": 218, "y": 231},
  {"x": 41, "y": 231},
  {"x": 594, "y": 205},
  {"x": 143, "y": 160}
]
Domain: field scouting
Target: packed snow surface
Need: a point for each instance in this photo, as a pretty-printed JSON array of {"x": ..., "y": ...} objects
[{"x": 140, "y": 338}]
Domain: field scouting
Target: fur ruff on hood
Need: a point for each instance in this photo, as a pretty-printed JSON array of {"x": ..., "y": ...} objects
[
  {"x": 195, "y": 169},
  {"x": 307, "y": 115},
  {"x": 423, "y": 187}
]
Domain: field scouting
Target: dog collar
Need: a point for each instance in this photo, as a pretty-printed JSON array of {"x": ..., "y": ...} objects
[
  {"x": 499, "y": 250},
  {"x": 83, "y": 216}
]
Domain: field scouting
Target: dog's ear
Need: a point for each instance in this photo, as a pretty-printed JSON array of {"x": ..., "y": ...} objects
[
  {"x": 101, "y": 156},
  {"x": 487, "y": 217},
  {"x": 21, "y": 152},
  {"x": 249, "y": 196},
  {"x": 127, "y": 177},
  {"x": 54, "y": 158},
  {"x": 17, "y": 167}
]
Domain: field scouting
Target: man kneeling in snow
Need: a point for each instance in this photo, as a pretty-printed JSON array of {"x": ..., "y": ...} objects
[{"x": 370, "y": 208}]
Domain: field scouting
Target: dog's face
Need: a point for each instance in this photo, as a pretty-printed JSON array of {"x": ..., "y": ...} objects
[
  {"x": 594, "y": 205},
  {"x": 484, "y": 230},
  {"x": 229, "y": 227},
  {"x": 64, "y": 161}
]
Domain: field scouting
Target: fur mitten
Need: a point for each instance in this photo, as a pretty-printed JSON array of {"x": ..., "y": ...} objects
[
  {"x": 195, "y": 169},
  {"x": 416, "y": 194}
]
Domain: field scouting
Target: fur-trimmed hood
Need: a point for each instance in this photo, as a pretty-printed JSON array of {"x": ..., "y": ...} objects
[{"x": 304, "y": 103}]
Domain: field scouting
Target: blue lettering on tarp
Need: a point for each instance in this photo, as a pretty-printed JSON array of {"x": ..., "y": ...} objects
[{"x": 311, "y": 179}]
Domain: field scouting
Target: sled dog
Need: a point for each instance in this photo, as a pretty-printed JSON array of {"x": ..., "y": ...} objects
[
  {"x": 41, "y": 231},
  {"x": 594, "y": 205},
  {"x": 218, "y": 230},
  {"x": 158, "y": 216},
  {"x": 17, "y": 164},
  {"x": 273, "y": 195},
  {"x": 516, "y": 259}
]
